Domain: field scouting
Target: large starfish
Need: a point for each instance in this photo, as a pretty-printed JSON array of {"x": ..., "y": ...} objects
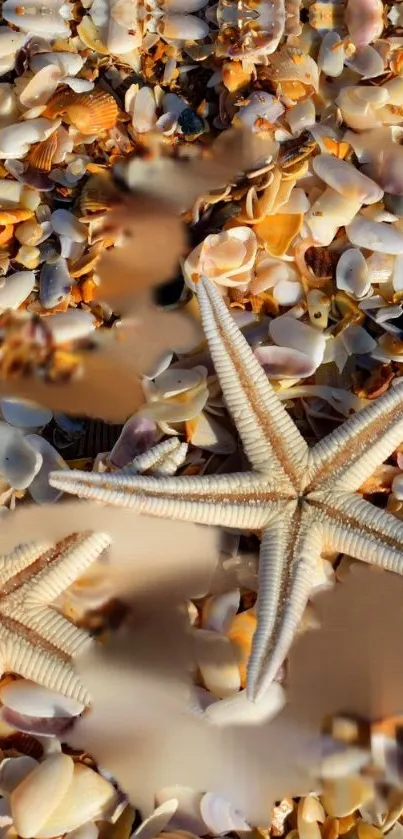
[
  {"x": 36, "y": 641},
  {"x": 303, "y": 499}
]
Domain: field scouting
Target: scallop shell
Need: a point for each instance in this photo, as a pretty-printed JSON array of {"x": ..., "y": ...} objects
[
  {"x": 91, "y": 112},
  {"x": 41, "y": 156},
  {"x": 39, "y": 794}
]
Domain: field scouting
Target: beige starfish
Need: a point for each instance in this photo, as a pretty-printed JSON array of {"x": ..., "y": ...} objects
[
  {"x": 303, "y": 499},
  {"x": 36, "y": 641}
]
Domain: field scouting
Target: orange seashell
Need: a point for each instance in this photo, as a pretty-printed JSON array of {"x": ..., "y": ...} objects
[
  {"x": 14, "y": 216},
  {"x": 41, "y": 155},
  {"x": 241, "y": 631},
  {"x": 90, "y": 113},
  {"x": 278, "y": 231},
  {"x": 6, "y": 234}
]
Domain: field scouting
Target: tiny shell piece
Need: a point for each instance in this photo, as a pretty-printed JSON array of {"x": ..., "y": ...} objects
[{"x": 40, "y": 793}]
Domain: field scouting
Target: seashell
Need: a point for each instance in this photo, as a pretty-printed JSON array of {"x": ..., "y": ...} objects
[
  {"x": 40, "y": 489},
  {"x": 286, "y": 331},
  {"x": 37, "y": 19},
  {"x": 22, "y": 413},
  {"x": 187, "y": 816},
  {"x": 352, "y": 275},
  {"x": 374, "y": 235},
  {"x": 182, "y": 6},
  {"x": 331, "y": 54},
  {"x": 218, "y": 610},
  {"x": 41, "y": 87},
  {"x": 66, "y": 224},
  {"x": 91, "y": 113},
  {"x": 41, "y": 156},
  {"x": 182, "y": 27},
  {"x": 291, "y": 64},
  {"x": 28, "y": 256},
  {"x": 19, "y": 462},
  {"x": 221, "y": 816},
  {"x": 284, "y": 363},
  {"x": 364, "y": 20},
  {"x": 69, "y": 63},
  {"x": 70, "y": 326},
  {"x": 346, "y": 179},
  {"x": 344, "y": 795},
  {"x": 279, "y": 231},
  {"x": 10, "y": 42},
  {"x": 360, "y": 105},
  {"x": 238, "y": 710},
  {"x": 226, "y": 257},
  {"x": 157, "y": 821},
  {"x": 260, "y": 106},
  {"x": 38, "y": 795},
  {"x": 55, "y": 282},
  {"x": 14, "y": 215},
  {"x": 328, "y": 213},
  {"x": 89, "y": 796},
  {"x": 143, "y": 109},
  {"x": 13, "y": 770},
  {"x": 301, "y": 116},
  {"x": 90, "y": 37},
  {"x": 367, "y": 62},
  {"x": 15, "y": 139},
  {"x": 208, "y": 434},
  {"x": 240, "y": 632},
  {"x": 10, "y": 193},
  {"x": 215, "y": 658},
  {"x": 15, "y": 289},
  {"x": 137, "y": 436},
  {"x": 28, "y": 698}
]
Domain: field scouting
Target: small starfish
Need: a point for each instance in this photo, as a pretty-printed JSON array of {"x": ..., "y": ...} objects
[
  {"x": 36, "y": 641},
  {"x": 304, "y": 500}
]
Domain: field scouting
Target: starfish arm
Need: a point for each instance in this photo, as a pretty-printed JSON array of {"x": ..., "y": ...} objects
[
  {"x": 239, "y": 500},
  {"x": 163, "y": 459},
  {"x": 21, "y": 558},
  {"x": 349, "y": 455},
  {"x": 270, "y": 438},
  {"x": 290, "y": 550},
  {"x": 68, "y": 561},
  {"x": 355, "y": 527},
  {"x": 57, "y": 630},
  {"x": 37, "y": 660}
]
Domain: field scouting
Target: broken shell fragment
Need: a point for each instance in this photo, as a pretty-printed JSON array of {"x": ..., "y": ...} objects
[
  {"x": 346, "y": 179},
  {"x": 218, "y": 610},
  {"x": 375, "y": 235},
  {"x": 89, "y": 796},
  {"x": 15, "y": 289},
  {"x": 40, "y": 489},
  {"x": 352, "y": 275},
  {"x": 24, "y": 414},
  {"x": 220, "y": 815},
  {"x": 19, "y": 462},
  {"x": 286, "y": 331},
  {"x": 55, "y": 283}
]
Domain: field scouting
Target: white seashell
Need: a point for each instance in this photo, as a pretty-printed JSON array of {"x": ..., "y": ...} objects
[
  {"x": 352, "y": 275},
  {"x": 15, "y": 289},
  {"x": 210, "y": 435},
  {"x": 19, "y": 462},
  {"x": 286, "y": 331},
  {"x": 301, "y": 116},
  {"x": 9, "y": 111},
  {"x": 22, "y": 413},
  {"x": 144, "y": 110},
  {"x": 39, "y": 89},
  {"x": 367, "y": 62},
  {"x": 182, "y": 28},
  {"x": 136, "y": 437},
  {"x": 238, "y": 710},
  {"x": 89, "y": 796},
  {"x": 187, "y": 816},
  {"x": 33, "y": 800},
  {"x": 346, "y": 179},
  {"x": 221, "y": 816},
  {"x": 28, "y": 698},
  {"x": 78, "y": 85},
  {"x": 288, "y": 293},
  {"x": 331, "y": 54},
  {"x": 359, "y": 106},
  {"x": 398, "y": 274},
  {"x": 183, "y": 6},
  {"x": 37, "y": 18},
  {"x": 10, "y": 41},
  {"x": 10, "y": 193},
  {"x": 216, "y": 659},
  {"x": 328, "y": 213},
  {"x": 159, "y": 819},
  {"x": 174, "y": 381},
  {"x": 86, "y": 831},
  {"x": 218, "y": 610},
  {"x": 70, "y": 63},
  {"x": 284, "y": 363},
  {"x": 66, "y": 224},
  {"x": 364, "y": 19},
  {"x": 40, "y": 489},
  {"x": 374, "y": 235},
  {"x": 15, "y": 139},
  {"x": 13, "y": 770},
  {"x": 298, "y": 202},
  {"x": 70, "y": 326},
  {"x": 260, "y": 105}
]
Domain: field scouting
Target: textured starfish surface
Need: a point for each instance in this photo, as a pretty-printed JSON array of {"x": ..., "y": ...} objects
[
  {"x": 36, "y": 641},
  {"x": 304, "y": 500}
]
